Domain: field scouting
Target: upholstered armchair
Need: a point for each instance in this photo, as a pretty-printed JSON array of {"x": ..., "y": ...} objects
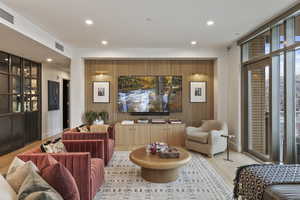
[
  {"x": 102, "y": 132},
  {"x": 84, "y": 160},
  {"x": 207, "y": 138}
]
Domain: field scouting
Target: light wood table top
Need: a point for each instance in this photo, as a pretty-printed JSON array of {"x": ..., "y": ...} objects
[{"x": 150, "y": 161}]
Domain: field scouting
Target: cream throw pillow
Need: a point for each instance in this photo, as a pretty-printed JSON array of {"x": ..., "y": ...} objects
[
  {"x": 18, "y": 172},
  {"x": 35, "y": 187},
  {"x": 6, "y": 191},
  {"x": 99, "y": 128}
]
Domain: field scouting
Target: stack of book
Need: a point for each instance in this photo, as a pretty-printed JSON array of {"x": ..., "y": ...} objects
[
  {"x": 158, "y": 121},
  {"x": 175, "y": 121},
  {"x": 143, "y": 121}
]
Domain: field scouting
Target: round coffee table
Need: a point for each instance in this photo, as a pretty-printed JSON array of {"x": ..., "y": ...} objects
[{"x": 156, "y": 169}]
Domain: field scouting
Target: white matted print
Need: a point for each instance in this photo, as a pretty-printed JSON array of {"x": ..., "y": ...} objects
[
  {"x": 197, "y": 91},
  {"x": 101, "y": 92}
]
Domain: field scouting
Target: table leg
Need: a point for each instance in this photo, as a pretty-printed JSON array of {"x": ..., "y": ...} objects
[{"x": 227, "y": 159}]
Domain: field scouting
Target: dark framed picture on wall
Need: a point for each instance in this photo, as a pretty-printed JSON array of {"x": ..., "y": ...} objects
[
  {"x": 198, "y": 92},
  {"x": 53, "y": 95},
  {"x": 101, "y": 92}
]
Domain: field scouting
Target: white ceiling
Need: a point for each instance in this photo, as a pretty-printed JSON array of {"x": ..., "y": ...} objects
[
  {"x": 174, "y": 23},
  {"x": 23, "y": 46}
]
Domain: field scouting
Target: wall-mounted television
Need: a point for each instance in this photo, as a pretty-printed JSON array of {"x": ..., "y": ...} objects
[{"x": 150, "y": 94}]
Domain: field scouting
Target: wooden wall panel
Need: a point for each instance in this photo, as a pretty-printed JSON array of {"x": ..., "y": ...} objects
[{"x": 192, "y": 113}]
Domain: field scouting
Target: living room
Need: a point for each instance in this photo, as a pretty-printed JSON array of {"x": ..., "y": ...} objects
[{"x": 134, "y": 100}]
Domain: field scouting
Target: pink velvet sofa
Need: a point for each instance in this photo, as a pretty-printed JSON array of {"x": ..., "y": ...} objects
[
  {"x": 108, "y": 137},
  {"x": 84, "y": 160}
]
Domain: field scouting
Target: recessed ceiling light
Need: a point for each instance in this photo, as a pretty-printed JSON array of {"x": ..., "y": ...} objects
[
  {"x": 6, "y": 59},
  {"x": 104, "y": 42},
  {"x": 210, "y": 23},
  {"x": 49, "y": 60},
  {"x": 193, "y": 42},
  {"x": 89, "y": 22}
]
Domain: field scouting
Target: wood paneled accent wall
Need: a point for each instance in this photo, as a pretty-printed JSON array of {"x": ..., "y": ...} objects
[{"x": 190, "y": 70}]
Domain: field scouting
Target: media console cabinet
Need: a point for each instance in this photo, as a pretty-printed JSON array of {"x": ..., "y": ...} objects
[{"x": 137, "y": 135}]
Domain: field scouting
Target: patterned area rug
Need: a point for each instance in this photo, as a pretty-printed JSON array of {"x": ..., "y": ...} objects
[{"x": 197, "y": 181}]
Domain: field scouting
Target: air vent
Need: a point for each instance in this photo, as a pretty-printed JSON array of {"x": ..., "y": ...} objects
[
  {"x": 5, "y": 15},
  {"x": 59, "y": 46}
]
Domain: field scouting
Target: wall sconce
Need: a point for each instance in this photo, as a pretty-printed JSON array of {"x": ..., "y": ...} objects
[{"x": 101, "y": 73}]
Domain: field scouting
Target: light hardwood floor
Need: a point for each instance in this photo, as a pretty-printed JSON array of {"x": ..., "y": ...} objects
[{"x": 225, "y": 168}]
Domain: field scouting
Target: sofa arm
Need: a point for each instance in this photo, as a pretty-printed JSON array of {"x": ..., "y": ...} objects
[
  {"x": 111, "y": 132},
  {"x": 79, "y": 165},
  {"x": 84, "y": 136},
  {"x": 95, "y": 147},
  {"x": 214, "y": 137}
]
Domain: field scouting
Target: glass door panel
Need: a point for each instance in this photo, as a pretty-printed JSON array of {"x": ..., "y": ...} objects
[
  {"x": 26, "y": 68},
  {"x": 16, "y": 84},
  {"x": 16, "y": 65},
  {"x": 4, "y": 61},
  {"x": 16, "y": 103},
  {"x": 34, "y": 101},
  {"x": 4, "y": 80},
  {"x": 297, "y": 104},
  {"x": 4, "y": 104},
  {"x": 259, "y": 120}
]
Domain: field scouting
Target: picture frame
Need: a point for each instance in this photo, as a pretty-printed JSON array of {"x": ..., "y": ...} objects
[
  {"x": 53, "y": 95},
  {"x": 198, "y": 91},
  {"x": 101, "y": 92}
]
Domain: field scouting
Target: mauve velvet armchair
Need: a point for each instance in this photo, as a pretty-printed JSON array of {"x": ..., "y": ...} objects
[
  {"x": 108, "y": 137},
  {"x": 88, "y": 172}
]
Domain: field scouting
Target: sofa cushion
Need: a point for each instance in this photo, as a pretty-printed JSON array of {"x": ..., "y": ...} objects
[
  {"x": 35, "y": 188},
  {"x": 6, "y": 191},
  {"x": 198, "y": 136},
  {"x": 97, "y": 174},
  {"x": 61, "y": 180},
  {"x": 18, "y": 173}
]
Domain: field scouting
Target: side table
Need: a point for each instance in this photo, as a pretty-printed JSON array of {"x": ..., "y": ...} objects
[{"x": 228, "y": 137}]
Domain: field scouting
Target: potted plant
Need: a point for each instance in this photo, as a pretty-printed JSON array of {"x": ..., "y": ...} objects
[
  {"x": 104, "y": 116},
  {"x": 90, "y": 117}
]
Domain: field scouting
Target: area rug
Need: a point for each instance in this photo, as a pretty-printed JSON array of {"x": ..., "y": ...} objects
[{"x": 197, "y": 181}]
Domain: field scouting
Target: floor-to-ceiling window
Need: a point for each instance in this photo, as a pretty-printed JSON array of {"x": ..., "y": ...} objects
[{"x": 271, "y": 88}]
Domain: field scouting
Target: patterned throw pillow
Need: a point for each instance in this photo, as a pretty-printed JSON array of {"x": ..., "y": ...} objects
[
  {"x": 84, "y": 129},
  {"x": 35, "y": 187},
  {"x": 18, "y": 172},
  {"x": 55, "y": 146}
]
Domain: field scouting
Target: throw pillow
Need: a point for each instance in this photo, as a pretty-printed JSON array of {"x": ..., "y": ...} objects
[
  {"x": 99, "y": 128},
  {"x": 59, "y": 177},
  {"x": 84, "y": 129},
  {"x": 6, "y": 191},
  {"x": 17, "y": 175},
  {"x": 47, "y": 161},
  {"x": 35, "y": 187},
  {"x": 55, "y": 146},
  {"x": 17, "y": 162}
]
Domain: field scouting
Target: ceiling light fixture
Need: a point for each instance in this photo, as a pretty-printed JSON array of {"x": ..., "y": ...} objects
[
  {"x": 89, "y": 22},
  {"x": 193, "y": 42},
  {"x": 210, "y": 23},
  {"x": 104, "y": 42},
  {"x": 49, "y": 60}
]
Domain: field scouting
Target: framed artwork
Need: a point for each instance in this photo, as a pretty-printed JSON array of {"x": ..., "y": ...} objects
[
  {"x": 101, "y": 92},
  {"x": 198, "y": 92},
  {"x": 53, "y": 95}
]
